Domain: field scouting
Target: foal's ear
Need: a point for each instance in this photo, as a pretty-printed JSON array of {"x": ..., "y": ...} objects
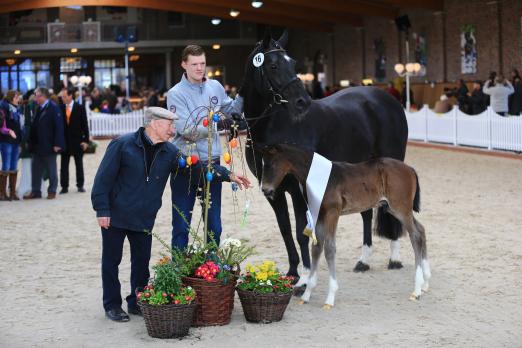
[{"x": 283, "y": 40}]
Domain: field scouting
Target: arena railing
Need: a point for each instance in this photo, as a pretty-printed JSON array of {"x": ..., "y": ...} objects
[{"x": 487, "y": 130}]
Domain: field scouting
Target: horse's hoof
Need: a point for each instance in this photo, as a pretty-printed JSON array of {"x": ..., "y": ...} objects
[
  {"x": 301, "y": 302},
  {"x": 361, "y": 267},
  {"x": 394, "y": 265},
  {"x": 327, "y": 306},
  {"x": 414, "y": 297},
  {"x": 299, "y": 290},
  {"x": 424, "y": 290}
]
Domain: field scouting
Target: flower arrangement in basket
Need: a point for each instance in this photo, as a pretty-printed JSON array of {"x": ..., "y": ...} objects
[
  {"x": 264, "y": 292},
  {"x": 167, "y": 305},
  {"x": 212, "y": 271}
]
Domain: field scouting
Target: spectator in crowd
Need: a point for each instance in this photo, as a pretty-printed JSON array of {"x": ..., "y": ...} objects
[
  {"x": 45, "y": 142},
  {"x": 193, "y": 92},
  {"x": 515, "y": 100},
  {"x": 96, "y": 100},
  {"x": 327, "y": 91},
  {"x": 477, "y": 99},
  {"x": 462, "y": 96},
  {"x": 126, "y": 196},
  {"x": 29, "y": 111},
  {"x": 11, "y": 125},
  {"x": 152, "y": 98},
  {"x": 404, "y": 96},
  {"x": 443, "y": 105},
  {"x": 390, "y": 88},
  {"x": 499, "y": 94},
  {"x": 76, "y": 140},
  {"x": 317, "y": 90}
]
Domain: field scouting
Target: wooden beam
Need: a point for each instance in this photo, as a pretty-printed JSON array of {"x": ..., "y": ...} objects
[
  {"x": 434, "y": 5},
  {"x": 366, "y": 8},
  {"x": 171, "y": 5},
  {"x": 281, "y": 9}
]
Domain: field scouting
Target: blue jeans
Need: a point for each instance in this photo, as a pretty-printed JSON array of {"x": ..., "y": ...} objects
[
  {"x": 10, "y": 156},
  {"x": 184, "y": 191}
]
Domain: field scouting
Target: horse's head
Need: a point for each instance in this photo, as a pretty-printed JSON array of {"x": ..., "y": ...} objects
[
  {"x": 271, "y": 73},
  {"x": 275, "y": 168},
  {"x": 281, "y": 160}
]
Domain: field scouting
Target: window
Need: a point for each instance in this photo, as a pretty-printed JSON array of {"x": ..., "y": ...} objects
[
  {"x": 107, "y": 72},
  {"x": 25, "y": 76}
]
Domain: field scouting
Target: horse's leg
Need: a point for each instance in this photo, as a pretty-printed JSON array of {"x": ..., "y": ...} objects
[
  {"x": 283, "y": 220},
  {"x": 316, "y": 254},
  {"x": 388, "y": 226},
  {"x": 364, "y": 261},
  {"x": 426, "y": 271},
  {"x": 300, "y": 224},
  {"x": 416, "y": 239},
  {"x": 329, "y": 252}
]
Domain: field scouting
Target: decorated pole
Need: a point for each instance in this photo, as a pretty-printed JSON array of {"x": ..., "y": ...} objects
[{"x": 209, "y": 175}]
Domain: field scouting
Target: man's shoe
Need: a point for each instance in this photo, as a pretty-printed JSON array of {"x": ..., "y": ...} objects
[
  {"x": 64, "y": 190},
  {"x": 117, "y": 314},
  {"x": 81, "y": 189},
  {"x": 51, "y": 195},
  {"x": 33, "y": 195},
  {"x": 134, "y": 310}
]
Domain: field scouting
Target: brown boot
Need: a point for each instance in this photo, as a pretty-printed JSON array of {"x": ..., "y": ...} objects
[
  {"x": 12, "y": 186},
  {"x": 3, "y": 184}
]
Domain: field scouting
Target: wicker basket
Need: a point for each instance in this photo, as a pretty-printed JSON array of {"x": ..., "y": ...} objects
[
  {"x": 168, "y": 321},
  {"x": 215, "y": 301},
  {"x": 264, "y": 308}
]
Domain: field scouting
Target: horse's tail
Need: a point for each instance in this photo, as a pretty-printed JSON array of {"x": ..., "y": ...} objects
[
  {"x": 387, "y": 225},
  {"x": 416, "y": 199}
]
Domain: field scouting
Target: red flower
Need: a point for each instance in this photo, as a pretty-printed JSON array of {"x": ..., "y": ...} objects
[
  {"x": 176, "y": 301},
  {"x": 147, "y": 294},
  {"x": 188, "y": 298},
  {"x": 164, "y": 295}
]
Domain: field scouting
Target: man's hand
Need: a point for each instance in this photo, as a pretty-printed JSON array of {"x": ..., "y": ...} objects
[
  {"x": 84, "y": 146},
  {"x": 240, "y": 180},
  {"x": 57, "y": 149},
  {"x": 104, "y": 222}
]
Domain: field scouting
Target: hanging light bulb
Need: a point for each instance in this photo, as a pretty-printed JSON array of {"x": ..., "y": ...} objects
[
  {"x": 257, "y": 4},
  {"x": 215, "y": 21},
  {"x": 234, "y": 13}
]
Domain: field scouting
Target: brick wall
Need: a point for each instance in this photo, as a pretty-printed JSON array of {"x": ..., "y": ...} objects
[{"x": 350, "y": 50}]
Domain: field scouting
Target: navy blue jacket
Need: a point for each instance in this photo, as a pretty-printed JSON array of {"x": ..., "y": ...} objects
[
  {"x": 47, "y": 130},
  {"x": 125, "y": 192}
]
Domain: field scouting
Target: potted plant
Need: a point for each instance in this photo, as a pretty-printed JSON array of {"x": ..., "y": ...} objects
[
  {"x": 167, "y": 305},
  {"x": 264, "y": 292},
  {"x": 212, "y": 271}
]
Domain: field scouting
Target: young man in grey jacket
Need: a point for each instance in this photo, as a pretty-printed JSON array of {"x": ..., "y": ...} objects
[{"x": 192, "y": 99}]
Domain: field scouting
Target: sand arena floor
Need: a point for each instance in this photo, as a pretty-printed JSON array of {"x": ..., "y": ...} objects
[{"x": 472, "y": 210}]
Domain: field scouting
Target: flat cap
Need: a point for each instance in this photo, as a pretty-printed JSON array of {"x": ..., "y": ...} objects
[{"x": 157, "y": 113}]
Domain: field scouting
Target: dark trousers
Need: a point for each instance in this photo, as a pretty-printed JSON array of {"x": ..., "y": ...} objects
[
  {"x": 64, "y": 169},
  {"x": 140, "y": 247},
  {"x": 184, "y": 189},
  {"x": 39, "y": 164}
]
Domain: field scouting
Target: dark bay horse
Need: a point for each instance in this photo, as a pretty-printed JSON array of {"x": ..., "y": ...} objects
[
  {"x": 352, "y": 125},
  {"x": 352, "y": 188}
]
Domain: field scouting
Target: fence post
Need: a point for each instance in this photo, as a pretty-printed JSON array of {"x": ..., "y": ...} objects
[
  {"x": 455, "y": 111},
  {"x": 425, "y": 109},
  {"x": 490, "y": 128}
]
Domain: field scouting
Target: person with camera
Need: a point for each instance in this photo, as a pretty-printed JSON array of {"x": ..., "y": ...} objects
[{"x": 499, "y": 94}]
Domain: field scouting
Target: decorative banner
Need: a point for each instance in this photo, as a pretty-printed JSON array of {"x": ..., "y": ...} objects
[
  {"x": 468, "y": 49},
  {"x": 419, "y": 51},
  {"x": 379, "y": 48}
]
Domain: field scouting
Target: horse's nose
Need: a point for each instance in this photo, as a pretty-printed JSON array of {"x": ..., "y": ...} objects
[{"x": 268, "y": 192}]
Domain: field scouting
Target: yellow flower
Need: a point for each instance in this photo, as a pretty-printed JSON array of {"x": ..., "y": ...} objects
[{"x": 262, "y": 276}]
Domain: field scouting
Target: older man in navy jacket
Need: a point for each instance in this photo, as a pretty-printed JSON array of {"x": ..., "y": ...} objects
[
  {"x": 45, "y": 142},
  {"x": 126, "y": 195}
]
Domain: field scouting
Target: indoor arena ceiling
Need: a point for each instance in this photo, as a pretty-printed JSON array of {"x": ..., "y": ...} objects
[{"x": 312, "y": 15}]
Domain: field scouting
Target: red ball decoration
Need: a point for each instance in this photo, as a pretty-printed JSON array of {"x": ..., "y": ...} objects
[
  {"x": 205, "y": 122},
  {"x": 195, "y": 159}
]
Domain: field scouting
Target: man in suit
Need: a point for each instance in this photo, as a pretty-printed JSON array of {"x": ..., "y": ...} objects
[
  {"x": 45, "y": 142},
  {"x": 76, "y": 139}
]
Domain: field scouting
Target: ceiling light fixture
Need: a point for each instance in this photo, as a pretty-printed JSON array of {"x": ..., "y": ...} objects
[
  {"x": 17, "y": 52},
  {"x": 234, "y": 13},
  {"x": 131, "y": 49},
  {"x": 257, "y": 4},
  {"x": 74, "y": 50},
  {"x": 215, "y": 21},
  {"x": 216, "y": 46}
]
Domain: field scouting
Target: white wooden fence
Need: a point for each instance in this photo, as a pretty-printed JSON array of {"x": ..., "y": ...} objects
[
  {"x": 103, "y": 125},
  {"x": 488, "y": 129}
]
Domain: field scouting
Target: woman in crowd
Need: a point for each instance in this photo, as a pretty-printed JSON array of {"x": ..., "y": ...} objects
[{"x": 11, "y": 123}]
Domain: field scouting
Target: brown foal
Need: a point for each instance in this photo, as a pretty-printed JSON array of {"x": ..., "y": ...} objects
[{"x": 352, "y": 188}]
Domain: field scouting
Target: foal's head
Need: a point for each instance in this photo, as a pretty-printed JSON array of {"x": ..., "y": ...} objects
[{"x": 281, "y": 160}]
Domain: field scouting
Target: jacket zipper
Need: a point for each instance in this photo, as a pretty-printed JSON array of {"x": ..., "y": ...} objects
[{"x": 151, "y": 164}]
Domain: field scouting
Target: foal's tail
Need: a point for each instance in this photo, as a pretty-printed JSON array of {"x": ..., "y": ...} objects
[{"x": 416, "y": 200}]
